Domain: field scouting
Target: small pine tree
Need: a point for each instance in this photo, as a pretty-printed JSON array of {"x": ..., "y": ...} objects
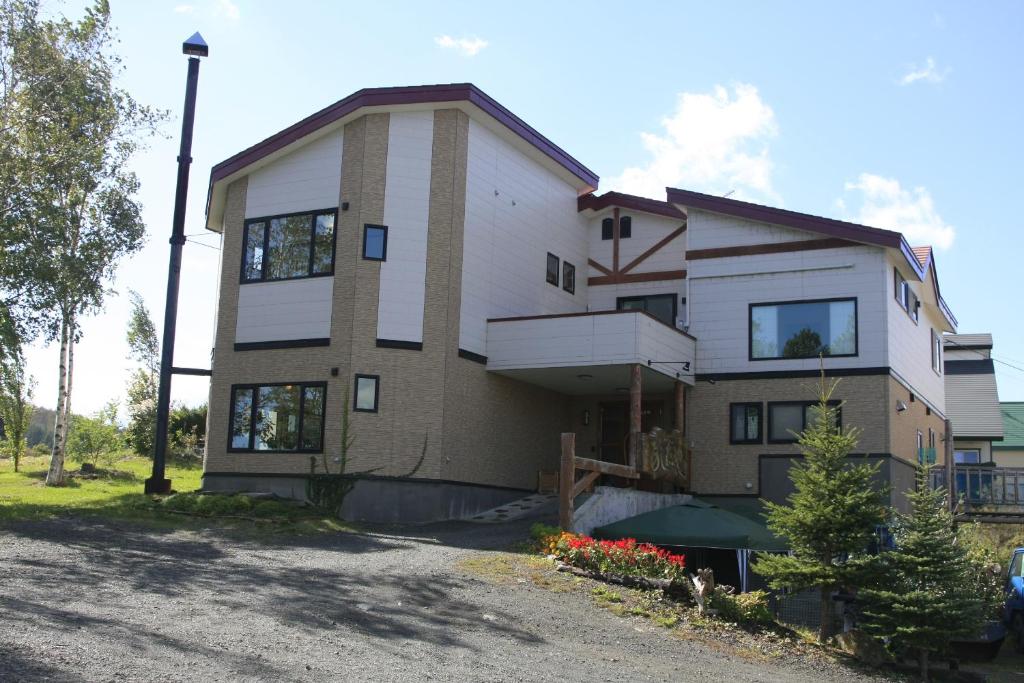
[
  {"x": 926, "y": 596},
  {"x": 831, "y": 517}
]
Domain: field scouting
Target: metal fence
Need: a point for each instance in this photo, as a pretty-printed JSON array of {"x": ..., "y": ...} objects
[{"x": 983, "y": 488}]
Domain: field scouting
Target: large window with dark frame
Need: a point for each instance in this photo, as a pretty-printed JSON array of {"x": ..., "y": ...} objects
[
  {"x": 746, "y": 423},
  {"x": 288, "y": 247},
  {"x": 788, "y": 419},
  {"x": 283, "y": 418},
  {"x": 661, "y": 306},
  {"x": 803, "y": 329}
]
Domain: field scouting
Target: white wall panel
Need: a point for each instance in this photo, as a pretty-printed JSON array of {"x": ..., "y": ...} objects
[
  {"x": 718, "y": 230},
  {"x": 406, "y": 208},
  {"x": 307, "y": 179},
  {"x": 291, "y": 309},
  {"x": 516, "y": 212}
]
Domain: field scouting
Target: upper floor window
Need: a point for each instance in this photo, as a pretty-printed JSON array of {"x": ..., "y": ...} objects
[
  {"x": 277, "y": 417},
  {"x": 375, "y": 242},
  {"x": 661, "y": 306},
  {"x": 552, "y": 271},
  {"x": 607, "y": 228},
  {"x": 803, "y": 329},
  {"x": 936, "y": 352},
  {"x": 568, "y": 277},
  {"x": 901, "y": 289},
  {"x": 625, "y": 227},
  {"x": 915, "y": 307},
  {"x": 288, "y": 247}
]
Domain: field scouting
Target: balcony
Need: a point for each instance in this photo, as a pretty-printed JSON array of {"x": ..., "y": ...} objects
[
  {"x": 985, "y": 490},
  {"x": 591, "y": 353}
]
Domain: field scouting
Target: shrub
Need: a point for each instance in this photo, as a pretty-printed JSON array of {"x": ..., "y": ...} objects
[
  {"x": 741, "y": 608},
  {"x": 625, "y": 557}
]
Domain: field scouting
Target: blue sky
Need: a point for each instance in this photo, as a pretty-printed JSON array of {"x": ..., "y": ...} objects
[{"x": 901, "y": 115}]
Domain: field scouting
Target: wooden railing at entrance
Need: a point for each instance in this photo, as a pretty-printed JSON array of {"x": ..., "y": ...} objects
[{"x": 569, "y": 488}]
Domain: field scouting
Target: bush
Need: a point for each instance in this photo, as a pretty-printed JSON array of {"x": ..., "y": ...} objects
[
  {"x": 209, "y": 505},
  {"x": 741, "y": 608},
  {"x": 625, "y": 557}
]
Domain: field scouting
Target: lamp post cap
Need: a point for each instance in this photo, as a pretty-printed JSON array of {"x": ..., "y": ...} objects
[{"x": 195, "y": 46}]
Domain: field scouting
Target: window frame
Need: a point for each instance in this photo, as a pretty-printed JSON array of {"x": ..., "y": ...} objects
[
  {"x": 760, "y": 423},
  {"x": 266, "y": 245},
  {"x": 901, "y": 289},
  {"x": 838, "y": 299},
  {"x": 569, "y": 277},
  {"x": 355, "y": 393},
  {"x": 548, "y": 271},
  {"x": 805, "y": 404},
  {"x": 936, "y": 345},
  {"x": 625, "y": 227},
  {"x": 251, "y": 448},
  {"x": 962, "y": 451},
  {"x": 644, "y": 297},
  {"x": 610, "y": 234},
  {"x": 384, "y": 251}
]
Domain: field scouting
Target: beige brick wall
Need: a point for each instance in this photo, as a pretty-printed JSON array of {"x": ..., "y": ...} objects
[
  {"x": 903, "y": 426},
  {"x": 722, "y": 468}
]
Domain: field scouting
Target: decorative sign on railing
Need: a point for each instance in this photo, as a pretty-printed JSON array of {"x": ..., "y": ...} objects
[{"x": 665, "y": 456}]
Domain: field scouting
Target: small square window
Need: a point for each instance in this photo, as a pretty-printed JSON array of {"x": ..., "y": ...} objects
[
  {"x": 552, "y": 274},
  {"x": 367, "y": 395},
  {"x": 745, "y": 423},
  {"x": 569, "y": 277},
  {"x": 625, "y": 227},
  {"x": 375, "y": 242},
  {"x": 607, "y": 228}
]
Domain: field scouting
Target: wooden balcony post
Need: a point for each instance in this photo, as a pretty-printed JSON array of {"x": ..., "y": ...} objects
[
  {"x": 635, "y": 414},
  {"x": 680, "y": 406},
  {"x": 951, "y": 491},
  {"x": 567, "y": 481}
]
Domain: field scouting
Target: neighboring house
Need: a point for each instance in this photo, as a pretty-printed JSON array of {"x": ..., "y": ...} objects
[
  {"x": 972, "y": 398},
  {"x": 1010, "y": 451},
  {"x": 426, "y": 260}
]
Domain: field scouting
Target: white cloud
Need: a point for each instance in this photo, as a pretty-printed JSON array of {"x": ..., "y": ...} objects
[
  {"x": 715, "y": 142},
  {"x": 929, "y": 73},
  {"x": 887, "y": 204},
  {"x": 227, "y": 9},
  {"x": 184, "y": 9},
  {"x": 467, "y": 47}
]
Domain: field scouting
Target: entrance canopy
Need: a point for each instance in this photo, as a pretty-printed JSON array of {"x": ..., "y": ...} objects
[{"x": 694, "y": 525}]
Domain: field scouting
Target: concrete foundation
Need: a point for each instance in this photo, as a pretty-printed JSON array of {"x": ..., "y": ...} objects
[{"x": 610, "y": 504}]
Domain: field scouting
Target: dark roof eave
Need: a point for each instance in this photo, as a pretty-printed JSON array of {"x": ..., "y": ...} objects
[
  {"x": 595, "y": 202},
  {"x": 369, "y": 97}
]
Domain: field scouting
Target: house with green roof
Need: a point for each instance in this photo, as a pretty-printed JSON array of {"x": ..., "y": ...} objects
[{"x": 1010, "y": 451}]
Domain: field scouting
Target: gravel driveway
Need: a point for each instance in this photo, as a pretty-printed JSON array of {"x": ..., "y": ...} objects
[{"x": 88, "y": 600}]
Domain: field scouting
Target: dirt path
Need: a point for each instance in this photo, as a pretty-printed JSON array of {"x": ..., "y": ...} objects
[{"x": 85, "y": 600}]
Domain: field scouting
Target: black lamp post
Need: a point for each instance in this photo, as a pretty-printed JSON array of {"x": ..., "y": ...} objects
[{"x": 195, "y": 47}]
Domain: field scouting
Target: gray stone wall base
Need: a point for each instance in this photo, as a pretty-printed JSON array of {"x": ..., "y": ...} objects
[
  {"x": 609, "y": 505},
  {"x": 385, "y": 500}
]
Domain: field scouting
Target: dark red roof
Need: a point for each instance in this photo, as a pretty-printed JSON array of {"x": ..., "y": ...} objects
[
  {"x": 369, "y": 97},
  {"x": 628, "y": 201}
]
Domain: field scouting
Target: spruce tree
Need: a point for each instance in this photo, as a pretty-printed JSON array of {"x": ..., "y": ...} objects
[
  {"x": 832, "y": 516},
  {"x": 926, "y": 596}
]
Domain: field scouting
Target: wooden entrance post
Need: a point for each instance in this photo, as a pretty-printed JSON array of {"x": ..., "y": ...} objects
[
  {"x": 680, "y": 406},
  {"x": 567, "y": 481},
  {"x": 635, "y": 415}
]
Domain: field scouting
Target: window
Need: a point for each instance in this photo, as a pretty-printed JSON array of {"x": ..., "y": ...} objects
[
  {"x": 901, "y": 289},
  {"x": 569, "y": 277},
  {"x": 375, "y": 242},
  {"x": 625, "y": 227},
  {"x": 788, "y": 419},
  {"x": 967, "y": 456},
  {"x": 367, "y": 394},
  {"x": 607, "y": 228},
  {"x": 803, "y": 329},
  {"x": 277, "y": 417},
  {"x": 661, "y": 306},
  {"x": 288, "y": 247},
  {"x": 745, "y": 423},
  {"x": 552, "y": 274},
  {"x": 1017, "y": 566},
  {"x": 915, "y": 308},
  {"x": 936, "y": 352}
]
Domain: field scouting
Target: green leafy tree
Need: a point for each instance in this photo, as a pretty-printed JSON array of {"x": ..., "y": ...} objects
[
  {"x": 95, "y": 439},
  {"x": 143, "y": 347},
  {"x": 928, "y": 593},
  {"x": 187, "y": 428},
  {"x": 804, "y": 344},
  {"x": 75, "y": 133},
  {"x": 832, "y": 516},
  {"x": 15, "y": 405}
]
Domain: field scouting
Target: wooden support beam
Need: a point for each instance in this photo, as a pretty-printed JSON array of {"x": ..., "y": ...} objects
[
  {"x": 567, "y": 481},
  {"x": 584, "y": 483},
  {"x": 680, "y": 406},
  {"x": 615, "y": 240},
  {"x": 635, "y": 414},
  {"x": 603, "y": 467}
]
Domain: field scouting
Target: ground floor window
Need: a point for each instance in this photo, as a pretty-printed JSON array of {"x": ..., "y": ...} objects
[
  {"x": 967, "y": 456},
  {"x": 745, "y": 423},
  {"x": 661, "y": 306},
  {"x": 277, "y": 417},
  {"x": 788, "y": 419}
]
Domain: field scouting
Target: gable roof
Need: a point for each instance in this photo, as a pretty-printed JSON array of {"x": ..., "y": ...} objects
[
  {"x": 396, "y": 96},
  {"x": 1013, "y": 426},
  {"x": 920, "y": 259},
  {"x": 596, "y": 203}
]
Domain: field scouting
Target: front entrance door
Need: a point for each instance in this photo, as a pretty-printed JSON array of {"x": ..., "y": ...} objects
[{"x": 615, "y": 427}]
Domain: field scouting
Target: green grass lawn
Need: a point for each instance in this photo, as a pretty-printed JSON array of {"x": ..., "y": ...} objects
[{"x": 117, "y": 493}]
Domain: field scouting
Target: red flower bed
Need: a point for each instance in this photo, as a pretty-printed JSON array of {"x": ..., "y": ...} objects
[{"x": 625, "y": 556}]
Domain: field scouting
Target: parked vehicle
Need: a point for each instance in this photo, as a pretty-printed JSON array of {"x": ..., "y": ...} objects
[{"x": 1014, "y": 607}]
